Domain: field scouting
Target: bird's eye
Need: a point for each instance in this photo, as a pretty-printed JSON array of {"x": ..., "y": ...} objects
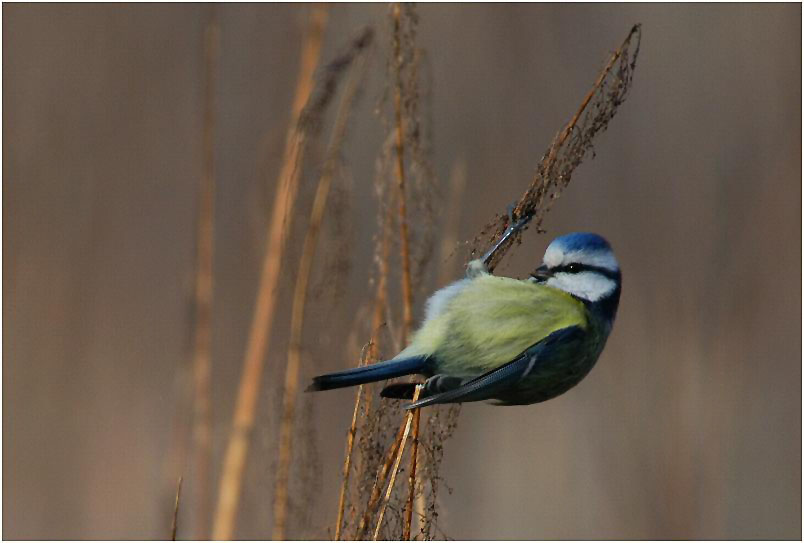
[{"x": 573, "y": 268}]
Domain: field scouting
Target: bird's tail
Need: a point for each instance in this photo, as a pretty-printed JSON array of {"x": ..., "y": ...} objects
[{"x": 369, "y": 374}]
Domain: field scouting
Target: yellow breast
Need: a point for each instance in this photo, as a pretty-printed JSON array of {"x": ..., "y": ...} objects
[{"x": 487, "y": 321}]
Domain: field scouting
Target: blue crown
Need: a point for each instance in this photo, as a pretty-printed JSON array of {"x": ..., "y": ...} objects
[{"x": 581, "y": 241}]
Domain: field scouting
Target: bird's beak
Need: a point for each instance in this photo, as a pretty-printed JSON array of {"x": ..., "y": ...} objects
[{"x": 541, "y": 274}]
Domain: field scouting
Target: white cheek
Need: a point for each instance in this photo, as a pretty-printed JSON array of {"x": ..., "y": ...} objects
[{"x": 589, "y": 286}]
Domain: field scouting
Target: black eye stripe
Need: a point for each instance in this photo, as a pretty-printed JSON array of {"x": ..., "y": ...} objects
[{"x": 576, "y": 267}]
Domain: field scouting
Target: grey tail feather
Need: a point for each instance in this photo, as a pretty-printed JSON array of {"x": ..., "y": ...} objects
[{"x": 370, "y": 373}]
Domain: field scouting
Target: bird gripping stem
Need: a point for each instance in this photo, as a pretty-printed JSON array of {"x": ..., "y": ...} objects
[{"x": 513, "y": 228}]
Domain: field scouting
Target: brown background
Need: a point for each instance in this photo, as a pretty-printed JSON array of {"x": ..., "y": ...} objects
[{"x": 690, "y": 425}]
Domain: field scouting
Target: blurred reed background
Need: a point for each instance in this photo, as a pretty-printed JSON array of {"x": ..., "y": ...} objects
[{"x": 117, "y": 116}]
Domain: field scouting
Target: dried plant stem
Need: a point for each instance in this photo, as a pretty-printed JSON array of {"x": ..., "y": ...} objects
[
  {"x": 371, "y": 355},
  {"x": 573, "y": 142},
  {"x": 395, "y": 471},
  {"x": 202, "y": 357},
  {"x": 414, "y": 450},
  {"x": 290, "y": 391},
  {"x": 399, "y": 129},
  {"x": 251, "y": 378},
  {"x": 564, "y": 134},
  {"x": 347, "y": 464},
  {"x": 379, "y": 483},
  {"x": 407, "y": 288},
  {"x": 445, "y": 273},
  {"x": 175, "y": 524},
  {"x": 350, "y": 442}
]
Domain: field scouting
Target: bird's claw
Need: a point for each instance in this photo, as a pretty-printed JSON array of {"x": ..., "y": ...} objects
[
  {"x": 515, "y": 226},
  {"x": 510, "y": 209},
  {"x": 512, "y": 229}
]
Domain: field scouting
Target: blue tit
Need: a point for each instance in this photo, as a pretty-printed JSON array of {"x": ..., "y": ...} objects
[{"x": 511, "y": 341}]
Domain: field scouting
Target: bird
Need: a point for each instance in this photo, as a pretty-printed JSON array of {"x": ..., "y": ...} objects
[{"x": 505, "y": 340}]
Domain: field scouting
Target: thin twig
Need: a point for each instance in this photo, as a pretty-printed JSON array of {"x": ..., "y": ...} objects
[
  {"x": 261, "y": 324},
  {"x": 202, "y": 356},
  {"x": 350, "y": 441},
  {"x": 407, "y": 289},
  {"x": 382, "y": 256},
  {"x": 395, "y": 471},
  {"x": 379, "y": 483},
  {"x": 571, "y": 124},
  {"x": 347, "y": 464},
  {"x": 290, "y": 391},
  {"x": 414, "y": 450},
  {"x": 364, "y": 396},
  {"x": 175, "y": 524},
  {"x": 572, "y": 143}
]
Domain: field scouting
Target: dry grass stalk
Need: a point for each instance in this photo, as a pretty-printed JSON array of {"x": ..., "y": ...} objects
[
  {"x": 407, "y": 288},
  {"x": 350, "y": 442},
  {"x": 575, "y": 140},
  {"x": 399, "y": 130},
  {"x": 175, "y": 524},
  {"x": 202, "y": 356},
  {"x": 363, "y": 414},
  {"x": 395, "y": 471},
  {"x": 398, "y": 60},
  {"x": 291, "y": 386},
  {"x": 347, "y": 464},
  {"x": 379, "y": 483},
  {"x": 414, "y": 450},
  {"x": 251, "y": 379},
  {"x": 441, "y": 420},
  {"x": 401, "y": 158},
  {"x": 380, "y": 302}
]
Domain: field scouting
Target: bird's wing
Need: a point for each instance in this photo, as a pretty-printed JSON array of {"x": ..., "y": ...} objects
[{"x": 490, "y": 384}]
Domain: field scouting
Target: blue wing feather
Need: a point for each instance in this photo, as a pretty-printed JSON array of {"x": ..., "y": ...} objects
[{"x": 491, "y": 384}]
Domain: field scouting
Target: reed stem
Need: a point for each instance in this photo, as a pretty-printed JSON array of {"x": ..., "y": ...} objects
[
  {"x": 262, "y": 321},
  {"x": 395, "y": 471},
  {"x": 291, "y": 387},
  {"x": 202, "y": 355},
  {"x": 414, "y": 450},
  {"x": 350, "y": 442},
  {"x": 175, "y": 524},
  {"x": 379, "y": 483},
  {"x": 407, "y": 290}
]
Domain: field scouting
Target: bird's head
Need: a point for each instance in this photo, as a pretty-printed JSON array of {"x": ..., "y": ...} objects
[{"x": 581, "y": 264}]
